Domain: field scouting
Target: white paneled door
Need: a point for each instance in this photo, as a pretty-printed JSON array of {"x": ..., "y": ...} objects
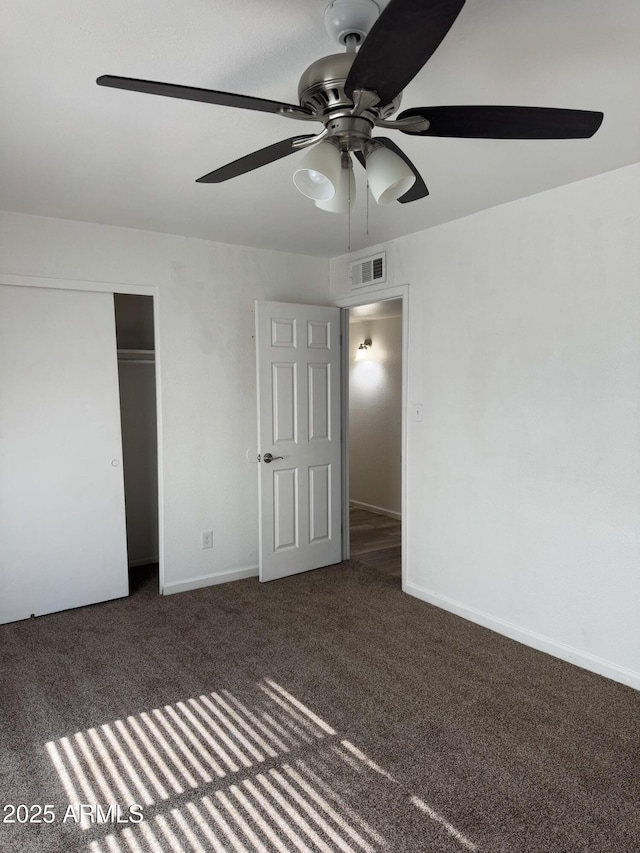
[
  {"x": 298, "y": 363},
  {"x": 62, "y": 519}
]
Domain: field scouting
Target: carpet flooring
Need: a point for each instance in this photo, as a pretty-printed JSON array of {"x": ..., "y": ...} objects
[
  {"x": 375, "y": 540},
  {"x": 326, "y": 712}
]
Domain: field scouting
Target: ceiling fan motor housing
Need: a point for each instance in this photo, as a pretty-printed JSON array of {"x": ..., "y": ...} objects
[{"x": 321, "y": 90}]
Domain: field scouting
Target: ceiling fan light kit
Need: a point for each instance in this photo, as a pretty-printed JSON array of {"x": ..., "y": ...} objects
[
  {"x": 345, "y": 196},
  {"x": 389, "y": 175},
  {"x": 353, "y": 93},
  {"x": 318, "y": 174}
]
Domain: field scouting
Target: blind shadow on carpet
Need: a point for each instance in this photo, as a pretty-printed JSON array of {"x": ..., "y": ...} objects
[{"x": 228, "y": 773}]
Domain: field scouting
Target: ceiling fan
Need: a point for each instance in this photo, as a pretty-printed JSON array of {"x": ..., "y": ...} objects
[{"x": 355, "y": 92}]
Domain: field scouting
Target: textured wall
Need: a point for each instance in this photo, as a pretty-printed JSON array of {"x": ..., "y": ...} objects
[
  {"x": 205, "y": 366},
  {"x": 523, "y": 480}
]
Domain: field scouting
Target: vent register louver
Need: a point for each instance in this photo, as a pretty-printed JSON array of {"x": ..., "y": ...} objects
[{"x": 369, "y": 270}]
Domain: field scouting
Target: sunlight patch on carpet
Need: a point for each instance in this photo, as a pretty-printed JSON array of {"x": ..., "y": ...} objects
[
  {"x": 438, "y": 818},
  {"x": 153, "y": 782}
]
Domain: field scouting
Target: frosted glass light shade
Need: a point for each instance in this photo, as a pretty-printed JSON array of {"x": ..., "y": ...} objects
[
  {"x": 345, "y": 195},
  {"x": 318, "y": 175},
  {"x": 389, "y": 176}
]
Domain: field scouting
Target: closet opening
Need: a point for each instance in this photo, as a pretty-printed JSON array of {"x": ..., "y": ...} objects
[{"x": 137, "y": 381}]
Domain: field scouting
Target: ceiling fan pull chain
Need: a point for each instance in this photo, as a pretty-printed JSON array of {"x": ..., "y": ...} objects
[{"x": 367, "y": 226}]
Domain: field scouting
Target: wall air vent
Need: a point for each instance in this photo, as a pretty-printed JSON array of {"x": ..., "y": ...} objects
[{"x": 369, "y": 270}]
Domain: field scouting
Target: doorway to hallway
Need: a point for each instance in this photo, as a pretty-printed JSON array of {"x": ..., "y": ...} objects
[{"x": 375, "y": 392}]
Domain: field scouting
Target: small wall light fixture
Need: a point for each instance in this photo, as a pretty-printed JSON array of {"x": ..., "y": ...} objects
[{"x": 362, "y": 349}]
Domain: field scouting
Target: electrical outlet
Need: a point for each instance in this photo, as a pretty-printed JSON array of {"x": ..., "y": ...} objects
[{"x": 207, "y": 539}]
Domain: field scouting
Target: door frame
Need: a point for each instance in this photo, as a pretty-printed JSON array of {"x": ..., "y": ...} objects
[
  {"x": 366, "y": 296},
  {"x": 116, "y": 287}
]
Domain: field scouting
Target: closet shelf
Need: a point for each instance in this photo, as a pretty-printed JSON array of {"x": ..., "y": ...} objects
[{"x": 137, "y": 356}]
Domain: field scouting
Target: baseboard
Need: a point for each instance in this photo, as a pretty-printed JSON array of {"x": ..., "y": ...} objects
[
  {"x": 529, "y": 638},
  {"x": 379, "y": 510},
  {"x": 210, "y": 580}
]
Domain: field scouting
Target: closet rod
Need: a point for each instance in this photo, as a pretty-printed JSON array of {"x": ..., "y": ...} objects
[{"x": 136, "y": 356}]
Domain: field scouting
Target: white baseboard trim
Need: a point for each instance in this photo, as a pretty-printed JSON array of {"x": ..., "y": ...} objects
[
  {"x": 529, "y": 638},
  {"x": 210, "y": 580},
  {"x": 379, "y": 510}
]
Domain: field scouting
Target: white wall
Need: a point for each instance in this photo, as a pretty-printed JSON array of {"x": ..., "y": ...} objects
[
  {"x": 523, "y": 481},
  {"x": 375, "y": 415},
  {"x": 206, "y": 368}
]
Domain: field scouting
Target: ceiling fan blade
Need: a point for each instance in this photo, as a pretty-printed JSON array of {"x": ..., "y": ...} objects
[
  {"x": 403, "y": 38},
  {"x": 505, "y": 122},
  {"x": 252, "y": 161},
  {"x": 208, "y": 96},
  {"x": 419, "y": 189}
]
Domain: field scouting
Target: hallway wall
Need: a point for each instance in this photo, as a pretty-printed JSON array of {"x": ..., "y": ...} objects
[{"x": 375, "y": 415}]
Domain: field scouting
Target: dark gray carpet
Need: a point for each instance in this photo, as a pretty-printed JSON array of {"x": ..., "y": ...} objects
[{"x": 326, "y": 712}]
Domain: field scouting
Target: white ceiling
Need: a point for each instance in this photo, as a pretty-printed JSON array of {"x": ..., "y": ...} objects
[{"x": 74, "y": 150}]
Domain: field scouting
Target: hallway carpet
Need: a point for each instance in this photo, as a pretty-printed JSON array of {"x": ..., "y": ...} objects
[{"x": 325, "y": 712}]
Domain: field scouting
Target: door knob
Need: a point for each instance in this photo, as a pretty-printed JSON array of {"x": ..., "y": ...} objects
[{"x": 269, "y": 458}]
